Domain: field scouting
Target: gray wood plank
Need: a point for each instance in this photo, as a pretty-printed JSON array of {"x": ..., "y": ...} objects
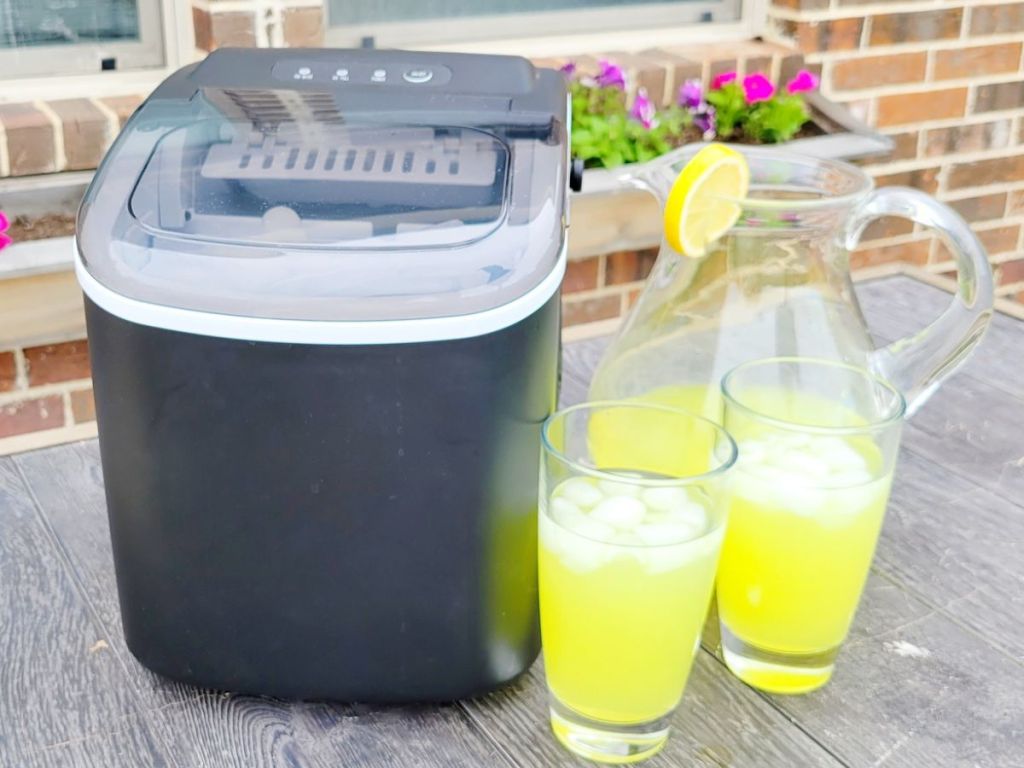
[
  {"x": 211, "y": 729},
  {"x": 720, "y": 722},
  {"x": 59, "y": 682},
  {"x": 913, "y": 690},
  {"x": 67, "y": 483},
  {"x": 958, "y": 546},
  {"x": 229, "y": 731},
  {"x": 128, "y": 744},
  {"x": 976, "y": 430}
]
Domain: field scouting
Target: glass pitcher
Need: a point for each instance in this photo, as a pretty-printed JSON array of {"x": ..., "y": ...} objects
[{"x": 778, "y": 284}]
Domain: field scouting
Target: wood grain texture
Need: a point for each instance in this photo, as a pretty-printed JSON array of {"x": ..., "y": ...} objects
[
  {"x": 913, "y": 690},
  {"x": 227, "y": 731},
  {"x": 958, "y": 546},
  {"x": 67, "y": 482},
  {"x": 129, "y": 743},
  {"x": 59, "y": 682},
  {"x": 720, "y": 722}
]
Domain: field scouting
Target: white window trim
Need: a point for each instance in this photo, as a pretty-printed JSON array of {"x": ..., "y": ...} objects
[
  {"x": 175, "y": 21},
  {"x": 657, "y": 25}
]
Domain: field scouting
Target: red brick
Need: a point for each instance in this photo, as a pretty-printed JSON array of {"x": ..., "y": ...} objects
[
  {"x": 123, "y": 106},
  {"x": 678, "y": 70},
  {"x": 31, "y": 415},
  {"x": 925, "y": 179},
  {"x": 629, "y": 266},
  {"x": 581, "y": 275},
  {"x": 994, "y": 97},
  {"x": 981, "y": 172},
  {"x": 871, "y": 71},
  {"x": 8, "y": 372},
  {"x": 1011, "y": 272},
  {"x": 967, "y": 138},
  {"x": 978, "y": 60},
  {"x": 997, "y": 19},
  {"x": 893, "y": 28},
  {"x": 30, "y": 140},
  {"x": 234, "y": 29},
  {"x": 87, "y": 132},
  {"x": 790, "y": 65},
  {"x": 904, "y": 108},
  {"x": 202, "y": 26},
  {"x": 83, "y": 407},
  {"x": 57, "y": 362},
  {"x": 814, "y": 36},
  {"x": 1015, "y": 205},
  {"x": 914, "y": 252},
  {"x": 579, "y": 311},
  {"x": 904, "y": 145},
  {"x": 888, "y": 226},
  {"x": 982, "y": 208},
  {"x": 1000, "y": 239},
  {"x": 801, "y": 5},
  {"x": 303, "y": 27}
]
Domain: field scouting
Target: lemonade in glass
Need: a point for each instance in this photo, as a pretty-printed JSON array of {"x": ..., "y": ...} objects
[{"x": 629, "y": 541}]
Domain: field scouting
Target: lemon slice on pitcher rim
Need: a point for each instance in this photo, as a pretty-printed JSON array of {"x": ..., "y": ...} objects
[{"x": 705, "y": 199}]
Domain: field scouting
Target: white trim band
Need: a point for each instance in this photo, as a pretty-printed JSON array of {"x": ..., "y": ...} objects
[{"x": 321, "y": 331}]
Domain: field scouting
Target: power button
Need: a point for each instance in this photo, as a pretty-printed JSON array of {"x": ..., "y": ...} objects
[{"x": 417, "y": 76}]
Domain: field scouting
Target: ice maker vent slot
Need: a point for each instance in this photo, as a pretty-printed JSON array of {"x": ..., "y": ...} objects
[{"x": 336, "y": 157}]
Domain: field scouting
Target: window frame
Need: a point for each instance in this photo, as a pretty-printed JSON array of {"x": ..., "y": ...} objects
[
  {"x": 158, "y": 48},
  {"x": 572, "y": 31}
]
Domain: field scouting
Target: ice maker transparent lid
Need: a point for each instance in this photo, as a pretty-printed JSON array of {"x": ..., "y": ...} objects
[{"x": 279, "y": 204}]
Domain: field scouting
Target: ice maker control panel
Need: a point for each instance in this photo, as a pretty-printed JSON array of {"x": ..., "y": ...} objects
[{"x": 342, "y": 72}]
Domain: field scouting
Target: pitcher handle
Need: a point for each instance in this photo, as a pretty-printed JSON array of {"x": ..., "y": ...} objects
[{"x": 918, "y": 363}]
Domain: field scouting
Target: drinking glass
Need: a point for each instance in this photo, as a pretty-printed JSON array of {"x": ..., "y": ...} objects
[
  {"x": 630, "y": 529},
  {"x": 817, "y": 445}
]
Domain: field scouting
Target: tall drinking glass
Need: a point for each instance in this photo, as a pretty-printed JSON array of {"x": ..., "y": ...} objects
[
  {"x": 631, "y": 524},
  {"x": 817, "y": 446}
]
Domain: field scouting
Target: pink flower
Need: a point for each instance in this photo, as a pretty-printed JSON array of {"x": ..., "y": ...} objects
[
  {"x": 705, "y": 123},
  {"x": 757, "y": 88},
  {"x": 610, "y": 75},
  {"x": 803, "y": 82},
  {"x": 5, "y": 240},
  {"x": 568, "y": 69},
  {"x": 723, "y": 79},
  {"x": 643, "y": 109}
]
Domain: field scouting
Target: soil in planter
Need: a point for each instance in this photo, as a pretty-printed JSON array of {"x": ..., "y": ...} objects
[{"x": 24, "y": 228}]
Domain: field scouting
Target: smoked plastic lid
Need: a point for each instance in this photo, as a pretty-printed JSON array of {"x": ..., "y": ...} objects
[{"x": 333, "y": 202}]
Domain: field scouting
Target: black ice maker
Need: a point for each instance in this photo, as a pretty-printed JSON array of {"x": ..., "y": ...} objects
[{"x": 322, "y": 302}]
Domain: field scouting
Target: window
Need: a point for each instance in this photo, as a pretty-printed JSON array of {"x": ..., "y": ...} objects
[
  {"x": 406, "y": 22},
  {"x": 49, "y": 37}
]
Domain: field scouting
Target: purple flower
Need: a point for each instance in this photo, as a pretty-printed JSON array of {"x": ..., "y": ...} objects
[
  {"x": 610, "y": 75},
  {"x": 757, "y": 88},
  {"x": 705, "y": 123},
  {"x": 722, "y": 80},
  {"x": 803, "y": 82},
  {"x": 5, "y": 240},
  {"x": 568, "y": 69},
  {"x": 643, "y": 110},
  {"x": 691, "y": 94}
]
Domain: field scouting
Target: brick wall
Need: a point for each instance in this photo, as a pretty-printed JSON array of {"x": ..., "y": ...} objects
[
  {"x": 45, "y": 395},
  {"x": 944, "y": 79}
]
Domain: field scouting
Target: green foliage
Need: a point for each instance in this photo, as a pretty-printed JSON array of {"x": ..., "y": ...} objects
[
  {"x": 604, "y": 135},
  {"x": 730, "y": 106},
  {"x": 775, "y": 120}
]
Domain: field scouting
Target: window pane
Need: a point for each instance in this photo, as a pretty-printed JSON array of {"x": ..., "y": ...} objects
[
  {"x": 54, "y": 22},
  {"x": 357, "y": 12}
]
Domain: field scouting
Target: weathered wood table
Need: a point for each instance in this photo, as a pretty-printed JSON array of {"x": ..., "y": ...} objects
[{"x": 932, "y": 675}]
